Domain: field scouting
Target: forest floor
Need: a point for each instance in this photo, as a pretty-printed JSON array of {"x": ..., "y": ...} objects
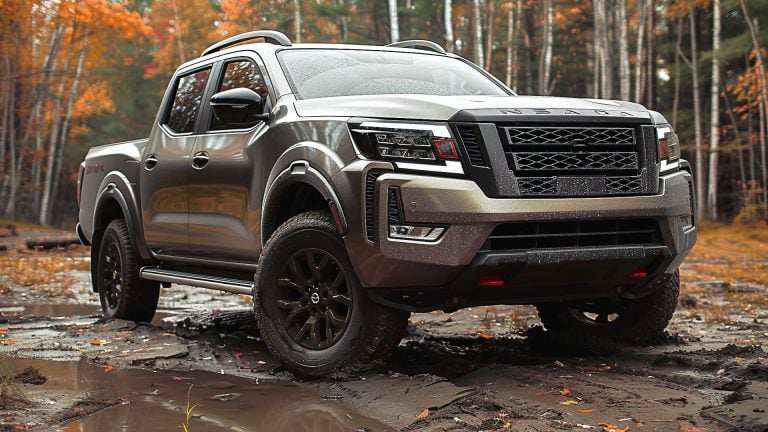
[{"x": 200, "y": 363}]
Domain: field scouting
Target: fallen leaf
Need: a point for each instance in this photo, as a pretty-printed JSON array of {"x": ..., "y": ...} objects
[
  {"x": 486, "y": 336},
  {"x": 569, "y": 402},
  {"x": 586, "y": 411},
  {"x": 607, "y": 427},
  {"x": 108, "y": 368},
  {"x": 565, "y": 392},
  {"x": 95, "y": 342},
  {"x": 423, "y": 414},
  {"x": 3, "y": 330},
  {"x": 691, "y": 428},
  {"x": 8, "y": 341}
]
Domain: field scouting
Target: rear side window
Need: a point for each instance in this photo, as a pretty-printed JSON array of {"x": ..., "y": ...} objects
[{"x": 186, "y": 101}]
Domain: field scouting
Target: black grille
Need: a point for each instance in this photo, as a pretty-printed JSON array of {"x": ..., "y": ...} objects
[
  {"x": 370, "y": 189},
  {"x": 536, "y": 150},
  {"x": 537, "y": 185},
  {"x": 532, "y": 135},
  {"x": 471, "y": 140},
  {"x": 624, "y": 184},
  {"x": 567, "y": 162},
  {"x": 573, "y": 234},
  {"x": 393, "y": 206}
]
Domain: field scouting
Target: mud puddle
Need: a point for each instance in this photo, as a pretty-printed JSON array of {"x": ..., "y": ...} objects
[{"x": 80, "y": 396}]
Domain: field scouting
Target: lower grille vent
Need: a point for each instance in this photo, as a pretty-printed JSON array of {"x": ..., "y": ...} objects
[
  {"x": 370, "y": 189},
  {"x": 573, "y": 234}
]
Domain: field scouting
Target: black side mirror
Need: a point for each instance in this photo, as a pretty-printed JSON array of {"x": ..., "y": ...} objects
[{"x": 239, "y": 107}]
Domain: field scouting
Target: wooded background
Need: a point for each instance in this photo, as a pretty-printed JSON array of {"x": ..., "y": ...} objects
[{"x": 79, "y": 73}]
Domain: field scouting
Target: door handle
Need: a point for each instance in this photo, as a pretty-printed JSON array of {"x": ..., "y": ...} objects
[
  {"x": 150, "y": 162},
  {"x": 200, "y": 160}
]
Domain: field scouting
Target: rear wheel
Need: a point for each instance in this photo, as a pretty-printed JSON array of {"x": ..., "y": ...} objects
[
  {"x": 632, "y": 321},
  {"x": 123, "y": 294},
  {"x": 312, "y": 312}
]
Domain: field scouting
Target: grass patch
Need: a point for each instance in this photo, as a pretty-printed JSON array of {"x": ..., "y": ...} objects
[
  {"x": 729, "y": 253},
  {"x": 49, "y": 271}
]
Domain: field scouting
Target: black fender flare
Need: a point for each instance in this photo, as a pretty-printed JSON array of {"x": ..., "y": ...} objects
[
  {"x": 302, "y": 172},
  {"x": 111, "y": 189}
]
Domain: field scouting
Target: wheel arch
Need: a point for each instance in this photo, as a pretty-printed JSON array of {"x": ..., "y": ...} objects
[
  {"x": 297, "y": 189},
  {"x": 116, "y": 199}
]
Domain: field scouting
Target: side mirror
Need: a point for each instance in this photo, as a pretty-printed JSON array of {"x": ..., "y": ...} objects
[{"x": 239, "y": 107}]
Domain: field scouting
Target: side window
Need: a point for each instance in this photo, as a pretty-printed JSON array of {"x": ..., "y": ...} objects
[
  {"x": 240, "y": 73},
  {"x": 243, "y": 73},
  {"x": 186, "y": 101}
]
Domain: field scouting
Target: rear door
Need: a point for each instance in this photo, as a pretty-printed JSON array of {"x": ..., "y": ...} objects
[
  {"x": 225, "y": 181},
  {"x": 166, "y": 160}
]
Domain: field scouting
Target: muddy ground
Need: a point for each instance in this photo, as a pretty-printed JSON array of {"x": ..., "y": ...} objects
[{"x": 489, "y": 368}]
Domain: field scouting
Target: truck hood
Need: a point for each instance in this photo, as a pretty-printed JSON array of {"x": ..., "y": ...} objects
[{"x": 442, "y": 108}]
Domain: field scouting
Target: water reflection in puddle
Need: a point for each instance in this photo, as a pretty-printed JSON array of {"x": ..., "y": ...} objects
[{"x": 155, "y": 401}]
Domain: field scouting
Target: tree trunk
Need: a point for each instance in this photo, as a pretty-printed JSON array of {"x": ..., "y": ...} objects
[
  {"x": 714, "y": 130},
  {"x": 739, "y": 139},
  {"x": 448, "y": 18},
  {"x": 394, "y": 24},
  {"x": 516, "y": 51},
  {"x": 650, "y": 75},
  {"x": 678, "y": 48},
  {"x": 177, "y": 34},
  {"x": 10, "y": 210},
  {"x": 67, "y": 121},
  {"x": 297, "y": 20},
  {"x": 510, "y": 47},
  {"x": 642, "y": 4},
  {"x": 700, "y": 162},
  {"x": 764, "y": 104},
  {"x": 545, "y": 61},
  {"x": 477, "y": 12},
  {"x": 624, "y": 78},
  {"x": 489, "y": 41}
]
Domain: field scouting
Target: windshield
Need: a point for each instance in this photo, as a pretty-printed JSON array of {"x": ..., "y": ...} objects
[{"x": 317, "y": 73}]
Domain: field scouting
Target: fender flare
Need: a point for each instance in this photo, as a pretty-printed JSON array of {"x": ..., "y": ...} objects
[
  {"x": 116, "y": 186},
  {"x": 302, "y": 172}
]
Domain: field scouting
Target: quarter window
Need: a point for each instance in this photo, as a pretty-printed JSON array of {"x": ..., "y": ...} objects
[{"x": 186, "y": 101}]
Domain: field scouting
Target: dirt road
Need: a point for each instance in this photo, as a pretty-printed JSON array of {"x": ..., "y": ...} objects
[{"x": 489, "y": 368}]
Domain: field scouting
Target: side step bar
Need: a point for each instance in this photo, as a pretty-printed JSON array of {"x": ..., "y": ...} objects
[{"x": 236, "y": 286}]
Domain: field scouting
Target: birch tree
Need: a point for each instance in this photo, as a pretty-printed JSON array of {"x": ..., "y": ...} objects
[
  {"x": 448, "y": 18},
  {"x": 624, "y": 78},
  {"x": 394, "y": 25},
  {"x": 545, "y": 61},
  {"x": 639, "y": 55},
  {"x": 297, "y": 20},
  {"x": 699, "y": 147},
  {"x": 477, "y": 12},
  {"x": 510, "y": 43},
  {"x": 714, "y": 130}
]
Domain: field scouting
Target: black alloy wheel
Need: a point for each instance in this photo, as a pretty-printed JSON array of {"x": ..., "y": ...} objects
[
  {"x": 112, "y": 276},
  {"x": 314, "y": 299}
]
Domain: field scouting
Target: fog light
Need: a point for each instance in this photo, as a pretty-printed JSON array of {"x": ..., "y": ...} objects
[
  {"x": 687, "y": 221},
  {"x": 412, "y": 232}
]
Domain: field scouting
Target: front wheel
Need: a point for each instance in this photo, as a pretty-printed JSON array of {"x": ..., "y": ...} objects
[
  {"x": 637, "y": 321},
  {"x": 312, "y": 312},
  {"x": 123, "y": 294}
]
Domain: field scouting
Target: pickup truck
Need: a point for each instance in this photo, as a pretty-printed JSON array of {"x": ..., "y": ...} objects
[{"x": 345, "y": 187}]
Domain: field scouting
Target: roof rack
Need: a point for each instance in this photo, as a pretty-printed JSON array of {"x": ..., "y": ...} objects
[
  {"x": 269, "y": 36},
  {"x": 419, "y": 44}
]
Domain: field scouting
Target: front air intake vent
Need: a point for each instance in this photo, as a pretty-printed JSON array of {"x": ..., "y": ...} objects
[
  {"x": 370, "y": 191},
  {"x": 470, "y": 137},
  {"x": 394, "y": 215}
]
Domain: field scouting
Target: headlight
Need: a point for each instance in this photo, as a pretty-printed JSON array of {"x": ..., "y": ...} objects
[
  {"x": 668, "y": 148},
  {"x": 412, "y": 146}
]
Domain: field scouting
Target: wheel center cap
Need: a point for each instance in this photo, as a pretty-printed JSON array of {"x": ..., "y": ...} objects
[{"x": 315, "y": 297}]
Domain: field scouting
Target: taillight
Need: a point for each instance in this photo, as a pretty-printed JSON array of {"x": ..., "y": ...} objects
[{"x": 80, "y": 174}]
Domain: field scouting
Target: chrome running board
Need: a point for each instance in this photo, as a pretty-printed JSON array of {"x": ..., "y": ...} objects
[{"x": 237, "y": 286}]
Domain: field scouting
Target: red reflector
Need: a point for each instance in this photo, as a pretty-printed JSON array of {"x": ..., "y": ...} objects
[
  {"x": 663, "y": 148},
  {"x": 336, "y": 217},
  {"x": 491, "y": 281},
  {"x": 638, "y": 273},
  {"x": 446, "y": 148}
]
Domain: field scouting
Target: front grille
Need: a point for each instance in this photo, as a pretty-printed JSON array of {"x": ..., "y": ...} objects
[
  {"x": 573, "y": 234},
  {"x": 577, "y": 160},
  {"x": 370, "y": 190}
]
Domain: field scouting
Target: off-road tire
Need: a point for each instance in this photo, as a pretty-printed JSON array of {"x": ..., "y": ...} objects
[
  {"x": 641, "y": 321},
  {"x": 372, "y": 331},
  {"x": 135, "y": 299}
]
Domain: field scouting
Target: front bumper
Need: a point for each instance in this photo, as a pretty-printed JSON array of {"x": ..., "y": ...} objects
[{"x": 442, "y": 275}]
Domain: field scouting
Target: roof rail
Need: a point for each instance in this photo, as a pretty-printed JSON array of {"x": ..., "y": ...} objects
[
  {"x": 269, "y": 36},
  {"x": 419, "y": 44}
]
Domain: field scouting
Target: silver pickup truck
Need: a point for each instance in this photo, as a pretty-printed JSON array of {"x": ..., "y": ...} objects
[{"x": 346, "y": 186}]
